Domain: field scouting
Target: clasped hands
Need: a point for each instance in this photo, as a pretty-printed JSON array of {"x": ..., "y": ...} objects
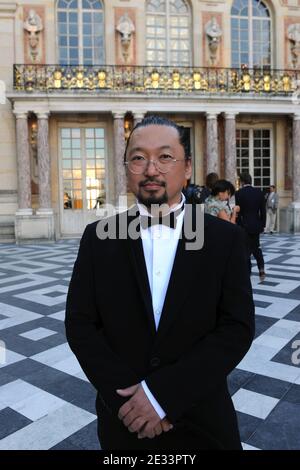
[{"x": 139, "y": 416}]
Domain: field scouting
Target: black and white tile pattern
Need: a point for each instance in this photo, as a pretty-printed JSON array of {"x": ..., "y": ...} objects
[{"x": 46, "y": 401}]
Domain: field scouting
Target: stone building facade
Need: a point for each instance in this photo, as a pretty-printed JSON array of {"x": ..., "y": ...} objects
[{"x": 76, "y": 75}]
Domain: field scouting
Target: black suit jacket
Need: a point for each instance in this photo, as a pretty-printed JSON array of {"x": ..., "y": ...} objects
[
  {"x": 252, "y": 215},
  {"x": 206, "y": 327}
]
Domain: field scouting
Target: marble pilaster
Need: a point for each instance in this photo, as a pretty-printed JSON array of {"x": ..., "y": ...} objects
[
  {"x": 296, "y": 159},
  {"x": 230, "y": 147},
  {"x": 119, "y": 149},
  {"x": 44, "y": 162},
  {"x": 290, "y": 216},
  {"x": 23, "y": 163},
  {"x": 212, "y": 143}
]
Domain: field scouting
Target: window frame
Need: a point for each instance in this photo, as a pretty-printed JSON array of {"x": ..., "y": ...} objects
[
  {"x": 250, "y": 19},
  {"x": 167, "y": 15},
  {"x": 80, "y": 10}
]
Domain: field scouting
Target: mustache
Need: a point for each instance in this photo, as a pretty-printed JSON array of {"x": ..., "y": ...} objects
[{"x": 152, "y": 180}]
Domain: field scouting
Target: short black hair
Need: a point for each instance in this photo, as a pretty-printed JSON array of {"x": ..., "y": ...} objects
[
  {"x": 246, "y": 178},
  {"x": 221, "y": 186},
  {"x": 211, "y": 179},
  {"x": 154, "y": 120}
]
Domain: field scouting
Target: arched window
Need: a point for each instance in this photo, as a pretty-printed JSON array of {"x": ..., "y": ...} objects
[
  {"x": 250, "y": 34},
  {"x": 80, "y": 32},
  {"x": 168, "y": 32}
]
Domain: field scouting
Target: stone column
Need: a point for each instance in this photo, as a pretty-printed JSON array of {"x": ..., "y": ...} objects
[
  {"x": 119, "y": 149},
  {"x": 296, "y": 159},
  {"x": 230, "y": 148},
  {"x": 23, "y": 163},
  {"x": 44, "y": 162},
  {"x": 290, "y": 216},
  {"x": 137, "y": 117},
  {"x": 212, "y": 143}
]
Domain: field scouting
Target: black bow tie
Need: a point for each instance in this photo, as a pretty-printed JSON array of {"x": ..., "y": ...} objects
[{"x": 169, "y": 220}]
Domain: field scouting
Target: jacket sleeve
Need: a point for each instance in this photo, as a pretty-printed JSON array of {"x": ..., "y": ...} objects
[
  {"x": 187, "y": 382},
  {"x": 84, "y": 331}
]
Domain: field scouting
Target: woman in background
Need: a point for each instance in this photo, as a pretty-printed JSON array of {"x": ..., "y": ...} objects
[{"x": 217, "y": 203}]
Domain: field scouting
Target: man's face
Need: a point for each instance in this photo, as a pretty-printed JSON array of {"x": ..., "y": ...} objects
[{"x": 152, "y": 186}]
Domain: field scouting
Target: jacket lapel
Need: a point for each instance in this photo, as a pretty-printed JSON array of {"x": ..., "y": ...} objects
[{"x": 137, "y": 258}]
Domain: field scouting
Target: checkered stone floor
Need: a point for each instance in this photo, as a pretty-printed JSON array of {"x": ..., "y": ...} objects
[{"x": 46, "y": 402}]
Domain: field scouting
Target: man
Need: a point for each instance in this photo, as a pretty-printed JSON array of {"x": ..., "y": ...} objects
[
  {"x": 155, "y": 326},
  {"x": 252, "y": 217},
  {"x": 272, "y": 206}
]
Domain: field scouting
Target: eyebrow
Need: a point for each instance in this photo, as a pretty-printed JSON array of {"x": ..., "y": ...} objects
[{"x": 140, "y": 149}]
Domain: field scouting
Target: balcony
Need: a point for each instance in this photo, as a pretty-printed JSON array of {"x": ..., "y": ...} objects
[{"x": 154, "y": 80}]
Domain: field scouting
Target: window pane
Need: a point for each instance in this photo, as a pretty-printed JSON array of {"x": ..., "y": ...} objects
[
  {"x": 73, "y": 41},
  {"x": 66, "y": 153},
  {"x": 73, "y": 29},
  {"x": 66, "y": 143},
  {"x": 87, "y": 17},
  {"x": 62, "y": 17},
  {"x": 87, "y": 53},
  {"x": 76, "y": 133},
  {"x": 87, "y": 41},
  {"x": 99, "y": 132},
  {"x": 73, "y": 17},
  {"x": 74, "y": 53},
  {"x": 65, "y": 132}
]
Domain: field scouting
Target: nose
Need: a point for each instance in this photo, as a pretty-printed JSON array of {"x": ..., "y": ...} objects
[{"x": 151, "y": 168}]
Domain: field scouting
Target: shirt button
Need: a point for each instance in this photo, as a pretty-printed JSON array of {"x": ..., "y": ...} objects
[
  {"x": 155, "y": 362},
  {"x": 157, "y": 273},
  {"x": 157, "y": 312}
]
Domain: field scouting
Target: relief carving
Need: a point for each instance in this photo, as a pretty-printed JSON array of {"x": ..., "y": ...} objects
[
  {"x": 293, "y": 34},
  {"x": 33, "y": 25},
  {"x": 126, "y": 28},
  {"x": 213, "y": 33}
]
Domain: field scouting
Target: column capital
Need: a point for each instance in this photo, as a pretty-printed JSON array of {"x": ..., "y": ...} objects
[
  {"x": 138, "y": 114},
  {"x": 230, "y": 115},
  {"x": 43, "y": 115},
  {"x": 21, "y": 115},
  {"x": 212, "y": 115},
  {"x": 296, "y": 117},
  {"x": 118, "y": 115}
]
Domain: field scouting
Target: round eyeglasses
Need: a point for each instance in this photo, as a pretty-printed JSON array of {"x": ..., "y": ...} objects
[{"x": 163, "y": 164}]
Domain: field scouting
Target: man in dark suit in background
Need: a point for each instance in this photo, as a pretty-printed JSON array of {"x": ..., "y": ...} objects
[
  {"x": 157, "y": 327},
  {"x": 252, "y": 218}
]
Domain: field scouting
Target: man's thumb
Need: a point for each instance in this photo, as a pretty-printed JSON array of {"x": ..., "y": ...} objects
[{"x": 127, "y": 392}]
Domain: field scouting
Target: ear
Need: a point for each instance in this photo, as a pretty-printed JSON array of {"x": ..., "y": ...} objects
[{"x": 188, "y": 168}]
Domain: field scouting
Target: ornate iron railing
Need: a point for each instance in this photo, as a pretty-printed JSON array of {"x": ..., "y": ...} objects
[{"x": 145, "y": 79}]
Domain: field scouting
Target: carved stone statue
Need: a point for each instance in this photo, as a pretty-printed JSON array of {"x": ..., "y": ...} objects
[
  {"x": 293, "y": 34},
  {"x": 213, "y": 33},
  {"x": 33, "y": 25},
  {"x": 125, "y": 27}
]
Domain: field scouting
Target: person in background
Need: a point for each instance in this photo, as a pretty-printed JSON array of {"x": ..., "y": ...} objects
[
  {"x": 217, "y": 203},
  {"x": 252, "y": 218},
  {"x": 211, "y": 179},
  {"x": 272, "y": 206},
  {"x": 67, "y": 201}
]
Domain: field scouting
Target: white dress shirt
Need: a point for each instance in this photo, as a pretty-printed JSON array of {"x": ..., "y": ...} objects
[{"x": 159, "y": 246}]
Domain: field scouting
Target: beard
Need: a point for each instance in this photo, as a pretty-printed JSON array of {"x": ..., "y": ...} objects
[{"x": 150, "y": 200}]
